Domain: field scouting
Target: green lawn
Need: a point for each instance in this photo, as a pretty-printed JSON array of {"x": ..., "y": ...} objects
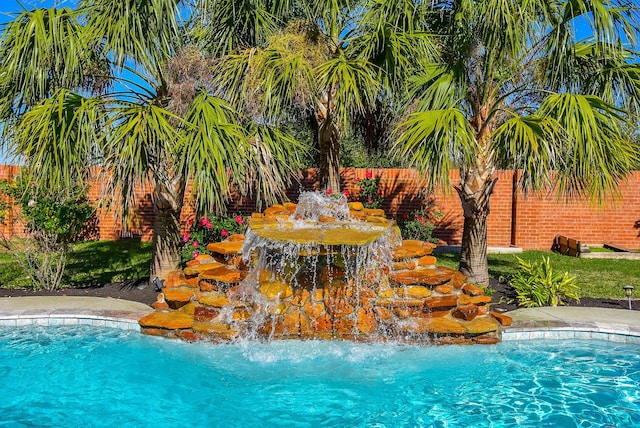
[
  {"x": 90, "y": 263},
  {"x": 598, "y": 278},
  {"x": 109, "y": 261}
]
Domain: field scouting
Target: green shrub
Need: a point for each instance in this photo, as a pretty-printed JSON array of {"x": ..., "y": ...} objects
[
  {"x": 52, "y": 221},
  {"x": 537, "y": 285},
  {"x": 417, "y": 225},
  {"x": 368, "y": 193}
]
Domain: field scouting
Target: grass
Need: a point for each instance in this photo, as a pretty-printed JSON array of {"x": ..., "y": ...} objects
[
  {"x": 111, "y": 261},
  {"x": 597, "y": 278},
  {"x": 89, "y": 263}
]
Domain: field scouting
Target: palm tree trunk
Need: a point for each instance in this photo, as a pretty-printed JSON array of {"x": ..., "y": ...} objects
[
  {"x": 167, "y": 242},
  {"x": 329, "y": 144},
  {"x": 475, "y": 205}
]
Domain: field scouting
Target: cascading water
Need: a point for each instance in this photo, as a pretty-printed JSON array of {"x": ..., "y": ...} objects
[
  {"x": 320, "y": 250},
  {"x": 322, "y": 268}
]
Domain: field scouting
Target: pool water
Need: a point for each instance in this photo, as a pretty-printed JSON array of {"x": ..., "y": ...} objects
[{"x": 84, "y": 376}]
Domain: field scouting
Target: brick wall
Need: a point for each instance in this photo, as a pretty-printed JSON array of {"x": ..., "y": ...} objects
[{"x": 527, "y": 221}]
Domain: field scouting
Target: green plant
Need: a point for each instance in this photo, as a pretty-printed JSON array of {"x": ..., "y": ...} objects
[
  {"x": 488, "y": 291},
  {"x": 209, "y": 229},
  {"x": 369, "y": 194},
  {"x": 52, "y": 221},
  {"x": 536, "y": 284},
  {"x": 417, "y": 225}
]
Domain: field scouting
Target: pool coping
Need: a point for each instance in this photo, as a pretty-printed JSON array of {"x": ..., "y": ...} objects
[
  {"x": 66, "y": 310},
  {"x": 554, "y": 323}
]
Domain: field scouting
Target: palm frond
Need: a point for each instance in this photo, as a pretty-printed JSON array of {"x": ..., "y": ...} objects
[
  {"x": 42, "y": 50},
  {"x": 227, "y": 26},
  {"x": 285, "y": 77},
  {"x": 143, "y": 31},
  {"x": 59, "y": 138},
  {"x": 350, "y": 83},
  {"x": 139, "y": 147},
  {"x": 434, "y": 141},
  {"x": 435, "y": 88},
  {"x": 531, "y": 144},
  {"x": 275, "y": 159},
  {"x": 231, "y": 76},
  {"x": 212, "y": 151},
  {"x": 598, "y": 154}
]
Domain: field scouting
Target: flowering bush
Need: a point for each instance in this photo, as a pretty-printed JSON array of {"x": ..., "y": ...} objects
[
  {"x": 369, "y": 194},
  {"x": 209, "y": 229},
  {"x": 417, "y": 225}
]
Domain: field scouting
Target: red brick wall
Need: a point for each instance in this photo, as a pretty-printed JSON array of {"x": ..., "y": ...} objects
[{"x": 531, "y": 224}]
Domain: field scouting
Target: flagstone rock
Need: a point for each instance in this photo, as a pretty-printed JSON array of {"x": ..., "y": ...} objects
[
  {"x": 422, "y": 276},
  {"x": 503, "y": 319},
  {"x": 276, "y": 290},
  {"x": 166, "y": 320},
  {"x": 225, "y": 247},
  {"x": 481, "y": 325},
  {"x": 314, "y": 293},
  {"x": 444, "y": 289},
  {"x": 205, "y": 313},
  {"x": 413, "y": 291},
  {"x": 179, "y": 296},
  {"x": 215, "y": 329},
  {"x": 472, "y": 290},
  {"x": 222, "y": 273},
  {"x": 427, "y": 261},
  {"x": 466, "y": 313},
  {"x": 438, "y": 326}
]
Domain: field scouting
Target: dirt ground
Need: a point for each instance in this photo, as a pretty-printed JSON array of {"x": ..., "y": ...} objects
[{"x": 503, "y": 299}]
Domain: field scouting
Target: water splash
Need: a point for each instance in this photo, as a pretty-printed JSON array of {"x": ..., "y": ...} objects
[{"x": 314, "y": 205}]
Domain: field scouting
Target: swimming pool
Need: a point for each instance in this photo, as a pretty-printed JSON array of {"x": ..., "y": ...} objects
[{"x": 84, "y": 376}]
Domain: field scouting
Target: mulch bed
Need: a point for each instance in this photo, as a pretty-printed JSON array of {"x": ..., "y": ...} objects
[
  {"x": 137, "y": 291},
  {"x": 504, "y": 299}
]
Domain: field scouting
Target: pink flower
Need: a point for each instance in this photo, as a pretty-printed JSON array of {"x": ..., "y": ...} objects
[
  {"x": 368, "y": 175},
  {"x": 195, "y": 254},
  {"x": 239, "y": 219},
  {"x": 329, "y": 191},
  {"x": 208, "y": 225},
  {"x": 345, "y": 192},
  {"x": 185, "y": 237},
  {"x": 370, "y": 201},
  {"x": 194, "y": 243},
  {"x": 224, "y": 233},
  {"x": 203, "y": 221}
]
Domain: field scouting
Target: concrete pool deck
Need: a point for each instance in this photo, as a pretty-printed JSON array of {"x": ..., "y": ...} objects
[{"x": 564, "y": 322}]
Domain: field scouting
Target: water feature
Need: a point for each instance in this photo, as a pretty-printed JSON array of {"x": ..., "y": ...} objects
[
  {"x": 87, "y": 376},
  {"x": 322, "y": 268}
]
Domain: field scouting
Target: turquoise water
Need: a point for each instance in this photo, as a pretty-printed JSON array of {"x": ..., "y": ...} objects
[{"x": 82, "y": 376}]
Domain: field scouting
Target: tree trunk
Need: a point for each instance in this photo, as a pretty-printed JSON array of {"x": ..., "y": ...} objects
[
  {"x": 475, "y": 204},
  {"x": 329, "y": 144},
  {"x": 167, "y": 239}
]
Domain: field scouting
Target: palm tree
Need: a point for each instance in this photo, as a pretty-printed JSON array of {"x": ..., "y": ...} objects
[
  {"x": 114, "y": 83},
  {"x": 516, "y": 86},
  {"x": 334, "y": 62}
]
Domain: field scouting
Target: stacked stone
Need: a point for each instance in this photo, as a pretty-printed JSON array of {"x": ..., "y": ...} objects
[
  {"x": 413, "y": 301},
  {"x": 436, "y": 301}
]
